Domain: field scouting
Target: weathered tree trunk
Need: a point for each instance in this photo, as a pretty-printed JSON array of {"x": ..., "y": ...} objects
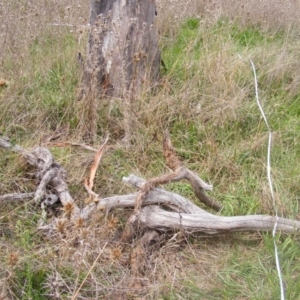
[
  {"x": 123, "y": 56},
  {"x": 123, "y": 45}
]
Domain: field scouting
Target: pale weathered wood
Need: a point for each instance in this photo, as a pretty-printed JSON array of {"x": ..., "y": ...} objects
[
  {"x": 198, "y": 185},
  {"x": 184, "y": 216},
  {"x": 15, "y": 197},
  {"x": 7, "y": 145},
  {"x": 161, "y": 196},
  {"x": 171, "y": 200},
  {"x": 50, "y": 174},
  {"x": 180, "y": 172},
  {"x": 155, "y": 217}
]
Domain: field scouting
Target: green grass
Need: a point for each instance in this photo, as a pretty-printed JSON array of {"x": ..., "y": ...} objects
[
  {"x": 207, "y": 101},
  {"x": 256, "y": 277},
  {"x": 46, "y": 90},
  {"x": 29, "y": 283}
]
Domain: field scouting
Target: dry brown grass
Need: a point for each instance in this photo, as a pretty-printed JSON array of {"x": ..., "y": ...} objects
[
  {"x": 211, "y": 99},
  {"x": 271, "y": 15}
]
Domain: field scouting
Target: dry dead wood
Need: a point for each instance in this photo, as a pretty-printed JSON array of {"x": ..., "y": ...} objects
[
  {"x": 51, "y": 177},
  {"x": 180, "y": 172},
  {"x": 52, "y": 185},
  {"x": 15, "y": 197},
  {"x": 187, "y": 216},
  {"x": 155, "y": 209},
  {"x": 155, "y": 217},
  {"x": 182, "y": 214}
]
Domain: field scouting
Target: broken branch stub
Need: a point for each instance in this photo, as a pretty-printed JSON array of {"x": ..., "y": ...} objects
[{"x": 123, "y": 53}]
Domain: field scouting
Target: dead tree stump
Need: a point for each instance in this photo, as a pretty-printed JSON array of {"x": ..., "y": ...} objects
[{"x": 123, "y": 57}]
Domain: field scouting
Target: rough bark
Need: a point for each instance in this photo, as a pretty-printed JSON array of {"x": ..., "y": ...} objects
[
  {"x": 15, "y": 197},
  {"x": 122, "y": 59},
  {"x": 123, "y": 47}
]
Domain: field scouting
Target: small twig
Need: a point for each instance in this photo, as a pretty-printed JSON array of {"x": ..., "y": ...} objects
[
  {"x": 171, "y": 158},
  {"x": 66, "y": 144},
  {"x": 90, "y": 192},
  {"x": 16, "y": 197}
]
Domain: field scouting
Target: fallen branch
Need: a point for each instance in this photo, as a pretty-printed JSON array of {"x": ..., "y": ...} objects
[
  {"x": 198, "y": 185},
  {"x": 160, "y": 196},
  {"x": 180, "y": 172},
  {"x": 184, "y": 214},
  {"x": 16, "y": 197},
  {"x": 149, "y": 217},
  {"x": 51, "y": 177},
  {"x": 189, "y": 217},
  {"x": 155, "y": 217}
]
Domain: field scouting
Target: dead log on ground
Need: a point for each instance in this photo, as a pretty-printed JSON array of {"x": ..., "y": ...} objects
[
  {"x": 182, "y": 215},
  {"x": 155, "y": 210}
]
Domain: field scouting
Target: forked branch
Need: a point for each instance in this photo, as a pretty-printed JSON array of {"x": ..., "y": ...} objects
[
  {"x": 182, "y": 215},
  {"x": 180, "y": 172}
]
